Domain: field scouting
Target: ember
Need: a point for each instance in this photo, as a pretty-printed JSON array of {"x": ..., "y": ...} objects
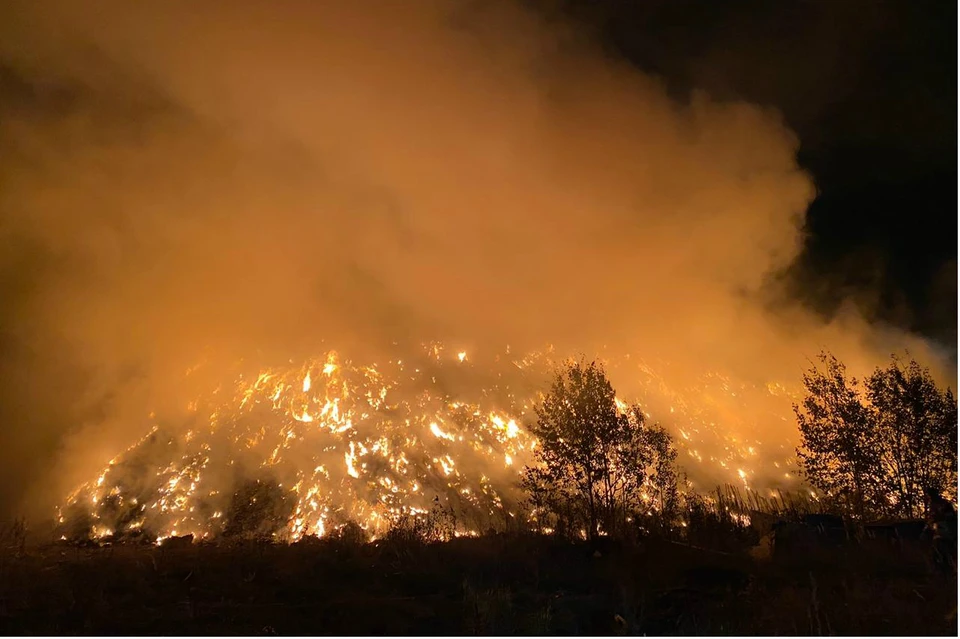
[{"x": 342, "y": 441}]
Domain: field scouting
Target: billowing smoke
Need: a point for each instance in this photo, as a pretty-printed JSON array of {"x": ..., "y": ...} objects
[{"x": 196, "y": 183}]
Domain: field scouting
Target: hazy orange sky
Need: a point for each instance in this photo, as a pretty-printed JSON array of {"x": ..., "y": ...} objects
[{"x": 207, "y": 182}]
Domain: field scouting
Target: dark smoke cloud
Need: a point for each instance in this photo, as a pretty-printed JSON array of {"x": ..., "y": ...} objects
[{"x": 187, "y": 183}]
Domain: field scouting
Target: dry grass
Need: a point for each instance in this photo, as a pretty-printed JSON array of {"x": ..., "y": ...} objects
[{"x": 498, "y": 584}]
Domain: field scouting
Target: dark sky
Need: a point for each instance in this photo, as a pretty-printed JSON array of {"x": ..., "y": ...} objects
[{"x": 870, "y": 88}]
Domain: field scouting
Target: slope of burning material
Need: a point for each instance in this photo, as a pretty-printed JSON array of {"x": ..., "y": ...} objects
[
  {"x": 343, "y": 442},
  {"x": 333, "y": 441}
]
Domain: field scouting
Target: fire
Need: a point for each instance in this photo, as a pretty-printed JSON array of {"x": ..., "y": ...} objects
[
  {"x": 306, "y": 384},
  {"x": 372, "y": 442},
  {"x": 439, "y": 433},
  {"x": 351, "y": 461}
]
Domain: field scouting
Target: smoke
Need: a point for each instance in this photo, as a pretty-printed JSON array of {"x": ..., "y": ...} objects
[{"x": 191, "y": 184}]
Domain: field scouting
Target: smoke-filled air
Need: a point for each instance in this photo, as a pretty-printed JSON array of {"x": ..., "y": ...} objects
[{"x": 342, "y": 245}]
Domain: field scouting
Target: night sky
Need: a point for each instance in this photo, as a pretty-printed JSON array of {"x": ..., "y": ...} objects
[{"x": 869, "y": 86}]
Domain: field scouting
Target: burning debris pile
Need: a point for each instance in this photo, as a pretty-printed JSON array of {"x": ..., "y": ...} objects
[{"x": 309, "y": 449}]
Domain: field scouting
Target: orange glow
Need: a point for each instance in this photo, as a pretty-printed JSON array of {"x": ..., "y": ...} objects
[{"x": 382, "y": 442}]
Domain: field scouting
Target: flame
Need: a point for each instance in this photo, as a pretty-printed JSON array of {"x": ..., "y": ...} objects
[
  {"x": 371, "y": 442},
  {"x": 439, "y": 433}
]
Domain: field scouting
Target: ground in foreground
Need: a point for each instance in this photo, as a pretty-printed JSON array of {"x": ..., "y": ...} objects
[{"x": 492, "y": 585}]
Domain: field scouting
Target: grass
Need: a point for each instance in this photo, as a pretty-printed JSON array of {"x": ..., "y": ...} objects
[{"x": 493, "y": 585}]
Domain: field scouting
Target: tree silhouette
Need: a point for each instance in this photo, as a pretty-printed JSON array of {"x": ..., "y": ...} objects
[
  {"x": 873, "y": 447},
  {"x": 595, "y": 455},
  {"x": 837, "y": 450},
  {"x": 661, "y": 494},
  {"x": 916, "y": 425}
]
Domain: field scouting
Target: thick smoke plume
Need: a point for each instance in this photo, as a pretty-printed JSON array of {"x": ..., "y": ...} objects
[{"x": 190, "y": 184}]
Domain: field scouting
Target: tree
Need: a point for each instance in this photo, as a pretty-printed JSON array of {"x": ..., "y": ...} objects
[
  {"x": 876, "y": 445},
  {"x": 594, "y": 455},
  {"x": 916, "y": 424},
  {"x": 837, "y": 450},
  {"x": 661, "y": 494}
]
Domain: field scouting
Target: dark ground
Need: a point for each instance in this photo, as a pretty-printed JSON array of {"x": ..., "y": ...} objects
[{"x": 493, "y": 585}]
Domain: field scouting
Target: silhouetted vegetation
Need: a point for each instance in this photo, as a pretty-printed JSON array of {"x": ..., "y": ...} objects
[
  {"x": 496, "y": 584},
  {"x": 873, "y": 446},
  {"x": 660, "y": 558},
  {"x": 601, "y": 466}
]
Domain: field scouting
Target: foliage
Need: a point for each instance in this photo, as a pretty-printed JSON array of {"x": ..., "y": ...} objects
[
  {"x": 872, "y": 447},
  {"x": 661, "y": 499},
  {"x": 838, "y": 451},
  {"x": 916, "y": 426},
  {"x": 598, "y": 461}
]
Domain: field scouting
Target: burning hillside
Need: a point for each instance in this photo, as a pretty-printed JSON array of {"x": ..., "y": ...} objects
[{"x": 332, "y": 441}]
